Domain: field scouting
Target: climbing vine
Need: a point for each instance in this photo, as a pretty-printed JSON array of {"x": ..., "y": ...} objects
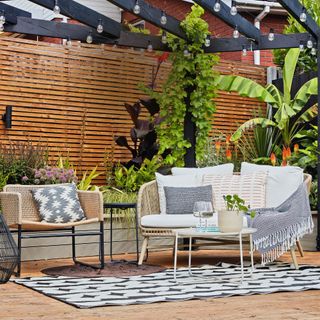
[{"x": 192, "y": 70}]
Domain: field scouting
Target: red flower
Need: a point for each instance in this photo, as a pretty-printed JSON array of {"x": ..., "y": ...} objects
[
  {"x": 296, "y": 148},
  {"x": 288, "y": 152},
  {"x": 273, "y": 159},
  {"x": 284, "y": 163},
  {"x": 228, "y": 138},
  {"x": 228, "y": 154},
  {"x": 164, "y": 57}
]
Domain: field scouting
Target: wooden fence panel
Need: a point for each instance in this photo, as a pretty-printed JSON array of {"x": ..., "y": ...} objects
[{"x": 73, "y": 98}]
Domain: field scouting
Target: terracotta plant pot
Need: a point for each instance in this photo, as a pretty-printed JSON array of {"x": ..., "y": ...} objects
[{"x": 230, "y": 221}]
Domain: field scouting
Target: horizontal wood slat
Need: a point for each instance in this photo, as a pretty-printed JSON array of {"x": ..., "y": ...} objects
[{"x": 73, "y": 99}]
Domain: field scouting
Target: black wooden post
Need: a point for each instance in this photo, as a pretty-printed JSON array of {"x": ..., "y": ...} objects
[
  {"x": 189, "y": 134},
  {"x": 318, "y": 164}
]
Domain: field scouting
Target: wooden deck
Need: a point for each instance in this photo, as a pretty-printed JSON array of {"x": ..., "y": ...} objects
[{"x": 18, "y": 302}]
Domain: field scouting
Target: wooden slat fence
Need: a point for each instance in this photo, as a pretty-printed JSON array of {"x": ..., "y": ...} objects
[{"x": 73, "y": 98}]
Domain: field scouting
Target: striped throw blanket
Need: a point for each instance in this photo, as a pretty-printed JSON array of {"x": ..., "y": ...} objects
[{"x": 279, "y": 228}]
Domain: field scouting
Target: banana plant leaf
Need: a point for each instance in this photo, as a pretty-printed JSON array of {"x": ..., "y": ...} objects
[
  {"x": 263, "y": 122},
  {"x": 245, "y": 87}
]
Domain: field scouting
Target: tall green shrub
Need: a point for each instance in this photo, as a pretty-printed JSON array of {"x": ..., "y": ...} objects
[{"x": 192, "y": 70}]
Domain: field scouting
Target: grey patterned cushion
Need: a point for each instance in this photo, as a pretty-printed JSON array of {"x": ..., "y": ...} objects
[
  {"x": 180, "y": 200},
  {"x": 58, "y": 204}
]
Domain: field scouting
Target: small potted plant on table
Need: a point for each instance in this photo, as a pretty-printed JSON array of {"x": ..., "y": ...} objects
[{"x": 231, "y": 219}]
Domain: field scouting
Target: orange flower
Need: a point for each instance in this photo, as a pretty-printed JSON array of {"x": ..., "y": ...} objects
[
  {"x": 296, "y": 148},
  {"x": 284, "y": 153},
  {"x": 273, "y": 159},
  {"x": 228, "y": 154},
  {"x": 284, "y": 163},
  {"x": 228, "y": 138},
  {"x": 218, "y": 146},
  {"x": 288, "y": 152}
]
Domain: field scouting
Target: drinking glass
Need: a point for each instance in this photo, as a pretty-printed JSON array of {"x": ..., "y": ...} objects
[{"x": 203, "y": 209}]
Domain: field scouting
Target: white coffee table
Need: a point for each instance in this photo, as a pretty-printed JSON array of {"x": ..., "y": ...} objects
[{"x": 193, "y": 233}]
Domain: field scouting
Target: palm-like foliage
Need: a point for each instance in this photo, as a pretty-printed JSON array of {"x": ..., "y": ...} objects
[{"x": 290, "y": 113}]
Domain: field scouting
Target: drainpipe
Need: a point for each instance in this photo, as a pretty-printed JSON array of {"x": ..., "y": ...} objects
[{"x": 257, "y": 21}]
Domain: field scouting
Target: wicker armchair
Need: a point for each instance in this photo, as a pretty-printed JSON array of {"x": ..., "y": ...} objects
[
  {"x": 21, "y": 214},
  {"x": 148, "y": 203}
]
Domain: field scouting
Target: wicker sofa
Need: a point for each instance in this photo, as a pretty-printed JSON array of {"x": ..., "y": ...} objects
[{"x": 148, "y": 204}]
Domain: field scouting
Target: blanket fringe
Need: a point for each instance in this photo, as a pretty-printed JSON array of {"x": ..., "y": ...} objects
[{"x": 282, "y": 240}]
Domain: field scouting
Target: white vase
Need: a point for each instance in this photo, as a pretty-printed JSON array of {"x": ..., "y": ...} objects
[{"x": 230, "y": 221}]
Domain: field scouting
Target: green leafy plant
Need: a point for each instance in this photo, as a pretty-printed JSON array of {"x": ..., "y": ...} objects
[
  {"x": 235, "y": 203},
  {"x": 86, "y": 180},
  {"x": 131, "y": 179},
  {"x": 291, "y": 114},
  {"x": 191, "y": 81},
  {"x": 307, "y": 61}
]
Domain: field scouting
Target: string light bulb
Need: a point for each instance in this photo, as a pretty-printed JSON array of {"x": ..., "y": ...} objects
[
  {"x": 89, "y": 38},
  {"x": 207, "y": 42},
  {"x": 164, "y": 38},
  {"x": 149, "y": 46},
  {"x": 2, "y": 18},
  {"x": 303, "y": 15},
  {"x": 236, "y": 33},
  {"x": 69, "y": 42},
  {"x": 233, "y": 9},
  {"x": 217, "y": 6},
  {"x": 271, "y": 35},
  {"x": 163, "y": 19},
  {"x": 100, "y": 26},
  {"x": 186, "y": 52},
  {"x": 136, "y": 8},
  {"x": 56, "y": 8},
  {"x": 310, "y": 43},
  {"x": 244, "y": 51},
  {"x": 301, "y": 46}
]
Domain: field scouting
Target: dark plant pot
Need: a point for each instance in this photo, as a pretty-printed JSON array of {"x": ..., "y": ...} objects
[{"x": 8, "y": 252}]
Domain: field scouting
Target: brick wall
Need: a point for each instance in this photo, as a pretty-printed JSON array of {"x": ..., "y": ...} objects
[{"x": 218, "y": 28}]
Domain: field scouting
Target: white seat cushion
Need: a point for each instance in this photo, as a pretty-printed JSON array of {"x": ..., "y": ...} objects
[
  {"x": 282, "y": 182},
  {"x": 176, "y": 221},
  {"x": 174, "y": 181},
  {"x": 173, "y": 220},
  {"x": 222, "y": 169},
  {"x": 249, "y": 187}
]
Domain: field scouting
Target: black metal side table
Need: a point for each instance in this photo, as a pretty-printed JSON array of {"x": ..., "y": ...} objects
[{"x": 123, "y": 206}]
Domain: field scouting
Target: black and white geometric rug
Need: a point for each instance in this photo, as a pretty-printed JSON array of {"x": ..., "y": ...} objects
[{"x": 206, "y": 282}]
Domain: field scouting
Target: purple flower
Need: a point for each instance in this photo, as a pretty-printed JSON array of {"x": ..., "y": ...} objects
[{"x": 25, "y": 179}]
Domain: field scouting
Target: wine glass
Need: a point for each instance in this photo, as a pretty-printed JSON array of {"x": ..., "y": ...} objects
[{"x": 203, "y": 209}]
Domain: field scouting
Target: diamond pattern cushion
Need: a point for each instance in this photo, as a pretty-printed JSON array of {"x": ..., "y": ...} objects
[
  {"x": 58, "y": 204},
  {"x": 249, "y": 187}
]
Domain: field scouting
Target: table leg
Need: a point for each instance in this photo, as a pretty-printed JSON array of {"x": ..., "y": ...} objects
[
  {"x": 190, "y": 250},
  {"x": 251, "y": 254},
  {"x": 137, "y": 233},
  {"x": 111, "y": 218},
  {"x": 175, "y": 257},
  {"x": 241, "y": 255}
]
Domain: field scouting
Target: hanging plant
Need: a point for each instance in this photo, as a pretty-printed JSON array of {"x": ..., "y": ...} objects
[{"x": 192, "y": 71}]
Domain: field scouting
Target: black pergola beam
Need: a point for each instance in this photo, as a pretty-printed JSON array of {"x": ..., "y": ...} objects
[
  {"x": 84, "y": 15},
  {"x": 295, "y": 8},
  {"x": 245, "y": 27},
  {"x": 152, "y": 15},
  {"x": 11, "y": 13}
]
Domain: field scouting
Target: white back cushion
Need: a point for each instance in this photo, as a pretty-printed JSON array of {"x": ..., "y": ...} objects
[
  {"x": 281, "y": 181},
  {"x": 174, "y": 181},
  {"x": 249, "y": 187},
  {"x": 222, "y": 169}
]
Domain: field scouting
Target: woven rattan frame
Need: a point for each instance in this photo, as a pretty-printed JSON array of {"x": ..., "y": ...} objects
[{"x": 148, "y": 203}]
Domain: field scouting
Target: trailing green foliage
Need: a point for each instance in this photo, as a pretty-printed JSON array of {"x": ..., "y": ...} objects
[
  {"x": 192, "y": 72},
  {"x": 131, "y": 179},
  {"x": 307, "y": 61},
  {"x": 290, "y": 115}
]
